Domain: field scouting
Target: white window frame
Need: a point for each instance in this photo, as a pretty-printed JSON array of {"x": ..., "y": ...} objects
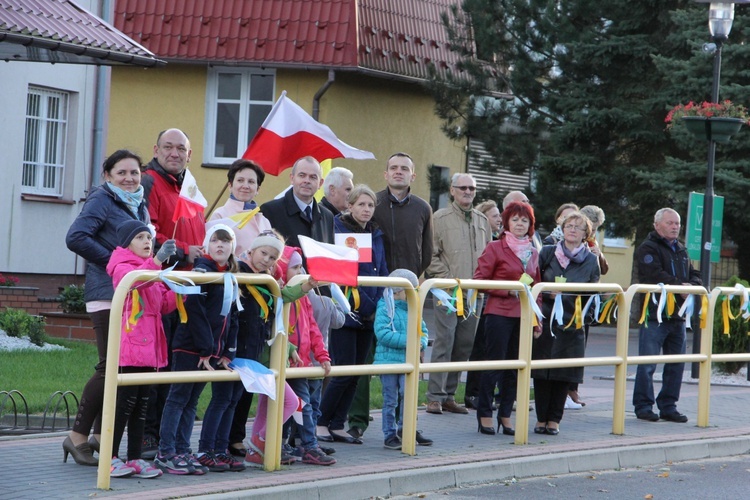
[
  {"x": 45, "y": 141},
  {"x": 212, "y": 91}
]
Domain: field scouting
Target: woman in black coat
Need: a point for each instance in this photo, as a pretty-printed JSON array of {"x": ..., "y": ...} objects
[{"x": 570, "y": 261}]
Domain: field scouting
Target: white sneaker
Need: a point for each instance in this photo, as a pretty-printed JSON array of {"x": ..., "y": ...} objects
[{"x": 572, "y": 405}]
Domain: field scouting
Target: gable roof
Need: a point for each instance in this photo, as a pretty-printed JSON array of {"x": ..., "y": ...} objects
[
  {"x": 60, "y": 31},
  {"x": 391, "y": 38}
]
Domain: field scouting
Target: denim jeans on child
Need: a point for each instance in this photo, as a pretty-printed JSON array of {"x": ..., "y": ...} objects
[
  {"x": 179, "y": 410},
  {"x": 316, "y": 389},
  {"x": 306, "y": 431},
  {"x": 217, "y": 422},
  {"x": 393, "y": 394},
  {"x": 669, "y": 337}
]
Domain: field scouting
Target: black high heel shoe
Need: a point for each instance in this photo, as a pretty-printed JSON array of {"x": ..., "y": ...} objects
[
  {"x": 484, "y": 430},
  {"x": 508, "y": 431},
  {"x": 82, "y": 453}
]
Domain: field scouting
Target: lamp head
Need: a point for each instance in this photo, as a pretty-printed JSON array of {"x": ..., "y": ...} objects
[{"x": 720, "y": 17}]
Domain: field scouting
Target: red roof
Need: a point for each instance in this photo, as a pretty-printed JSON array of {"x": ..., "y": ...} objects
[
  {"x": 398, "y": 38},
  {"x": 61, "y": 31}
]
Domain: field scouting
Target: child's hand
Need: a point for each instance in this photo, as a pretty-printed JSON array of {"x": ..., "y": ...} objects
[
  {"x": 537, "y": 331},
  {"x": 294, "y": 359},
  {"x": 205, "y": 363},
  {"x": 326, "y": 367},
  {"x": 224, "y": 362}
]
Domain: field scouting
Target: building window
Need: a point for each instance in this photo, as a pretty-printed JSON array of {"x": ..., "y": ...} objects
[
  {"x": 238, "y": 101},
  {"x": 44, "y": 145}
]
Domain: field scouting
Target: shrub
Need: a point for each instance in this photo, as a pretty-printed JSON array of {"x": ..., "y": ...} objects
[
  {"x": 13, "y": 321},
  {"x": 72, "y": 301},
  {"x": 35, "y": 330},
  {"x": 737, "y": 339},
  {"x": 7, "y": 280}
]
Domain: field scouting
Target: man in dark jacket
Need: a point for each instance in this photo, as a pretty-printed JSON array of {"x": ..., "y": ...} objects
[
  {"x": 297, "y": 212},
  {"x": 662, "y": 259}
]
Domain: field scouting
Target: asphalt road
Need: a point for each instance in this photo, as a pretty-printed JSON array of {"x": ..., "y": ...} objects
[{"x": 700, "y": 479}]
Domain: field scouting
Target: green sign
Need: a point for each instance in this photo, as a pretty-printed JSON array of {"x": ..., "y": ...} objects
[{"x": 694, "y": 230}]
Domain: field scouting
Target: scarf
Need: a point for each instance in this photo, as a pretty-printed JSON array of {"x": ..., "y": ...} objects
[
  {"x": 520, "y": 246},
  {"x": 249, "y": 205},
  {"x": 565, "y": 256},
  {"x": 131, "y": 200}
]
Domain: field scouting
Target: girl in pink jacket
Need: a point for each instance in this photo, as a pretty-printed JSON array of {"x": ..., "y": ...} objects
[{"x": 143, "y": 345}]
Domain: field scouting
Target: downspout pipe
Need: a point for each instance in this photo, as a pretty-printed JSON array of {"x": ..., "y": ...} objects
[
  {"x": 322, "y": 90},
  {"x": 100, "y": 106}
]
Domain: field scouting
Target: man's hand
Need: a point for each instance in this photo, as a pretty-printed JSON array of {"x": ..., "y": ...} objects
[{"x": 194, "y": 251}]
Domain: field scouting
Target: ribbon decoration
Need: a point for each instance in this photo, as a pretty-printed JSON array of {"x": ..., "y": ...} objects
[
  {"x": 231, "y": 294},
  {"x": 557, "y": 313},
  {"x": 176, "y": 287},
  {"x": 726, "y": 313},
  {"x": 351, "y": 291},
  {"x": 278, "y": 321},
  {"x": 259, "y": 299},
  {"x": 686, "y": 311},
  {"x": 597, "y": 301},
  {"x": 577, "y": 315},
  {"x": 644, "y": 314},
  {"x": 180, "y": 300},
  {"x": 609, "y": 310},
  {"x": 338, "y": 296},
  {"x": 471, "y": 302},
  {"x": 703, "y": 314},
  {"x": 443, "y": 299},
  {"x": 745, "y": 303},
  {"x": 536, "y": 320},
  {"x": 242, "y": 222},
  {"x": 458, "y": 297},
  {"x": 136, "y": 309},
  {"x": 662, "y": 302}
]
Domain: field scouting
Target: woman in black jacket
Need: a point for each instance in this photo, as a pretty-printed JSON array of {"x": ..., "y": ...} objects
[
  {"x": 569, "y": 261},
  {"x": 93, "y": 236}
]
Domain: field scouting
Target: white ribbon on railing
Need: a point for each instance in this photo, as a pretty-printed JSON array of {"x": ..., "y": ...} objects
[
  {"x": 471, "y": 301},
  {"x": 662, "y": 301},
  {"x": 745, "y": 305},
  {"x": 231, "y": 294},
  {"x": 687, "y": 309},
  {"x": 597, "y": 301},
  {"x": 278, "y": 321},
  {"x": 176, "y": 287},
  {"x": 444, "y": 299},
  {"x": 338, "y": 296},
  {"x": 533, "y": 305},
  {"x": 557, "y": 312}
]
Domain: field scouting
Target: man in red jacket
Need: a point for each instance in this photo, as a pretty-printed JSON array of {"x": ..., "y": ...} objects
[{"x": 162, "y": 182}]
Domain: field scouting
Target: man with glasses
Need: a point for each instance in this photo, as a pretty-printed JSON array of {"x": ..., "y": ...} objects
[{"x": 460, "y": 234}]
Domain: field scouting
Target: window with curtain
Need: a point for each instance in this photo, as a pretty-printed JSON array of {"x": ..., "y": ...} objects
[{"x": 45, "y": 140}]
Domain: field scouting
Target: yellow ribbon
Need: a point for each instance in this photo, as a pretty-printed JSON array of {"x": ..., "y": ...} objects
[
  {"x": 354, "y": 293},
  {"x": 181, "y": 308},
  {"x": 577, "y": 315},
  {"x": 459, "y": 300},
  {"x": 725, "y": 314},
  {"x": 670, "y": 304},
  {"x": 703, "y": 315},
  {"x": 259, "y": 299},
  {"x": 606, "y": 314},
  {"x": 243, "y": 218},
  {"x": 645, "y": 308},
  {"x": 135, "y": 310}
]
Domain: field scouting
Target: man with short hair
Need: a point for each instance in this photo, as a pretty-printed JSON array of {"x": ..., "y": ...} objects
[
  {"x": 336, "y": 188},
  {"x": 662, "y": 259},
  {"x": 461, "y": 234},
  {"x": 297, "y": 212}
]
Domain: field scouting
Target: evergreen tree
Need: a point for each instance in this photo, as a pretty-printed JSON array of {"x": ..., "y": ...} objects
[{"x": 590, "y": 83}]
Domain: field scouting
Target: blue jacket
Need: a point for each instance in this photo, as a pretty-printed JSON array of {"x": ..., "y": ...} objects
[
  {"x": 207, "y": 333},
  {"x": 368, "y": 295},
  {"x": 93, "y": 236},
  {"x": 391, "y": 345}
]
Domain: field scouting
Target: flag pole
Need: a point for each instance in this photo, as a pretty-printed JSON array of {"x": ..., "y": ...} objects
[
  {"x": 175, "y": 227},
  {"x": 216, "y": 201}
]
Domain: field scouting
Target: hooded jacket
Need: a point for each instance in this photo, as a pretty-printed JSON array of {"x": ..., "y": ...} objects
[
  {"x": 391, "y": 344},
  {"x": 145, "y": 343},
  {"x": 93, "y": 236}
]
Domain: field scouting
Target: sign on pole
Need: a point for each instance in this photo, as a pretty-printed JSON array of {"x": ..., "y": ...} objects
[{"x": 694, "y": 229}]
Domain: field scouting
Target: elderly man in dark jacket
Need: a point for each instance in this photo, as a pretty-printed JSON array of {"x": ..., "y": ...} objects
[{"x": 662, "y": 259}]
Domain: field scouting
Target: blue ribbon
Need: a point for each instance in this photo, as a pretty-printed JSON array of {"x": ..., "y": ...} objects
[
  {"x": 338, "y": 296},
  {"x": 686, "y": 311},
  {"x": 662, "y": 301},
  {"x": 278, "y": 321},
  {"x": 597, "y": 305},
  {"x": 231, "y": 294},
  {"x": 444, "y": 299},
  {"x": 177, "y": 287}
]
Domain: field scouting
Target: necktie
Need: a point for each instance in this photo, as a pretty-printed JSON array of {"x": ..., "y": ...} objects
[{"x": 308, "y": 213}]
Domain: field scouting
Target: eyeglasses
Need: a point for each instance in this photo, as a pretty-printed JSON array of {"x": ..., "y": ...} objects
[
  {"x": 466, "y": 188},
  {"x": 571, "y": 227}
]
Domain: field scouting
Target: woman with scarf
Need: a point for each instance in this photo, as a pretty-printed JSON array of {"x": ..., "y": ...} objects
[
  {"x": 513, "y": 257},
  {"x": 569, "y": 261},
  {"x": 557, "y": 233}
]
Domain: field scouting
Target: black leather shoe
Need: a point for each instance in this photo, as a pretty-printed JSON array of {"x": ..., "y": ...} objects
[
  {"x": 355, "y": 432},
  {"x": 471, "y": 402},
  {"x": 345, "y": 438},
  {"x": 553, "y": 432},
  {"x": 648, "y": 415},
  {"x": 325, "y": 439},
  {"x": 540, "y": 430},
  {"x": 674, "y": 416}
]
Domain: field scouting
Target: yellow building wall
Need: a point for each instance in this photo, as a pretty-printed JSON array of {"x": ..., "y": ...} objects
[
  {"x": 620, "y": 260},
  {"x": 377, "y": 115}
]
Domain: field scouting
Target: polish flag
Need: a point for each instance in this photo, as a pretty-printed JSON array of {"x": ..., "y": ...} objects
[
  {"x": 289, "y": 133},
  {"x": 330, "y": 263},
  {"x": 191, "y": 200},
  {"x": 297, "y": 415},
  {"x": 362, "y": 242}
]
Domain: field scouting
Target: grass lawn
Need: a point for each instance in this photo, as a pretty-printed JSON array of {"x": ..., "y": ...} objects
[{"x": 38, "y": 375}]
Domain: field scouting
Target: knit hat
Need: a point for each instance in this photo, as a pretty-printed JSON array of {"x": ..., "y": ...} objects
[
  {"x": 128, "y": 230},
  {"x": 267, "y": 239},
  {"x": 210, "y": 232},
  {"x": 404, "y": 273},
  {"x": 295, "y": 259}
]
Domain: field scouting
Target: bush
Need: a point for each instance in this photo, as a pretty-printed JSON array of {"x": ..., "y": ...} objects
[
  {"x": 71, "y": 299},
  {"x": 13, "y": 322},
  {"x": 737, "y": 340},
  {"x": 35, "y": 330}
]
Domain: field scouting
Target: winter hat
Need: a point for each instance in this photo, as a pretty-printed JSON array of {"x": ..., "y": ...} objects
[
  {"x": 404, "y": 273},
  {"x": 295, "y": 259},
  {"x": 128, "y": 230},
  {"x": 267, "y": 239},
  {"x": 210, "y": 232}
]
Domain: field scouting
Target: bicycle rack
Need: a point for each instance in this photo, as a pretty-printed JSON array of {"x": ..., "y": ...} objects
[{"x": 49, "y": 423}]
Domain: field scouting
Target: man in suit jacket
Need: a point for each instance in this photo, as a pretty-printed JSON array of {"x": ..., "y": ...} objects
[{"x": 297, "y": 212}]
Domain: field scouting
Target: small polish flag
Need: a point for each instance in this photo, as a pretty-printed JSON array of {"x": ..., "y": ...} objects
[
  {"x": 297, "y": 415},
  {"x": 330, "y": 263},
  {"x": 289, "y": 133},
  {"x": 191, "y": 200},
  {"x": 362, "y": 242}
]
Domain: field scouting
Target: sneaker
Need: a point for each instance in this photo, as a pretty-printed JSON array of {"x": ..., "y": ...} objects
[
  {"x": 198, "y": 468},
  {"x": 572, "y": 405},
  {"x": 289, "y": 455},
  {"x": 255, "y": 443},
  {"x": 315, "y": 456},
  {"x": 392, "y": 443},
  {"x": 119, "y": 469},
  {"x": 434, "y": 407},
  {"x": 143, "y": 469},
  {"x": 210, "y": 462},
  {"x": 230, "y": 461},
  {"x": 327, "y": 450},
  {"x": 253, "y": 459},
  {"x": 174, "y": 464},
  {"x": 149, "y": 448}
]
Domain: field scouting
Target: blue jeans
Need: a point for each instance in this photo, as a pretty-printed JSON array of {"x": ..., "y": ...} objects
[
  {"x": 178, "y": 417},
  {"x": 217, "y": 421},
  {"x": 393, "y": 394},
  {"x": 669, "y": 338},
  {"x": 316, "y": 389},
  {"x": 306, "y": 431}
]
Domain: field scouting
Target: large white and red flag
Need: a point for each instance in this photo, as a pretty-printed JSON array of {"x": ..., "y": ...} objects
[
  {"x": 331, "y": 263},
  {"x": 289, "y": 133},
  {"x": 190, "y": 201}
]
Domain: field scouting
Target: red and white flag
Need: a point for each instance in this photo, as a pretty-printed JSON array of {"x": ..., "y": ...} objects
[
  {"x": 297, "y": 415},
  {"x": 289, "y": 133},
  {"x": 191, "y": 200},
  {"x": 331, "y": 263}
]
